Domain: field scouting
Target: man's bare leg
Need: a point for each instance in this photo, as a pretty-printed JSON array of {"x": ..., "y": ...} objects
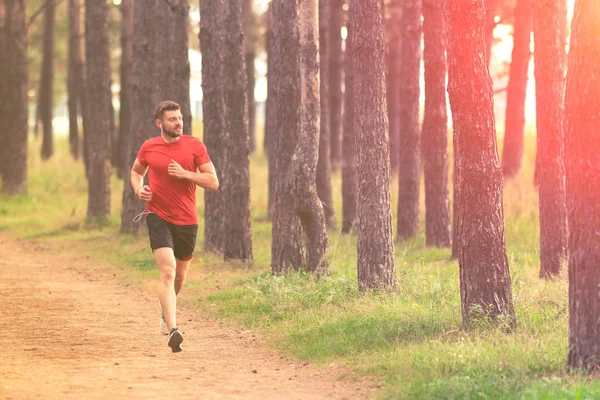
[
  {"x": 165, "y": 260},
  {"x": 181, "y": 274}
]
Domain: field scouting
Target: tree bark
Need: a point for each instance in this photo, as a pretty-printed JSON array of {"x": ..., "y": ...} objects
[
  {"x": 295, "y": 30},
  {"x": 485, "y": 283},
  {"x": 564, "y": 36},
  {"x": 582, "y": 138},
  {"x": 13, "y": 95},
  {"x": 550, "y": 138},
  {"x": 335, "y": 77},
  {"x": 516, "y": 91},
  {"x": 212, "y": 40},
  {"x": 83, "y": 93},
  {"x": 236, "y": 186},
  {"x": 47, "y": 82},
  {"x": 74, "y": 75},
  {"x": 324, "y": 164},
  {"x": 375, "y": 235},
  {"x": 174, "y": 37},
  {"x": 410, "y": 148},
  {"x": 143, "y": 98},
  {"x": 271, "y": 109},
  {"x": 250, "y": 36},
  {"x": 394, "y": 66},
  {"x": 125, "y": 73},
  {"x": 349, "y": 179},
  {"x": 98, "y": 81},
  {"x": 435, "y": 128}
]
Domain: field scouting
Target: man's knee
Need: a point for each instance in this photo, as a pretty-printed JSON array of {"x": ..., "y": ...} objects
[{"x": 167, "y": 273}]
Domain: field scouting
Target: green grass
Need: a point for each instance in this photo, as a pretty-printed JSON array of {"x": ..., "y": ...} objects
[{"x": 410, "y": 340}]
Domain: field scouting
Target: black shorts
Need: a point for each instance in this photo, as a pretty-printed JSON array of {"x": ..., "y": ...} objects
[{"x": 181, "y": 238}]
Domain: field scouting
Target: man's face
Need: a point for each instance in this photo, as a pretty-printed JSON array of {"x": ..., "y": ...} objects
[{"x": 172, "y": 123}]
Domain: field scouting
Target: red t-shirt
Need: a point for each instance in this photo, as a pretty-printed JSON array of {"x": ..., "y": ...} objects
[{"x": 173, "y": 199}]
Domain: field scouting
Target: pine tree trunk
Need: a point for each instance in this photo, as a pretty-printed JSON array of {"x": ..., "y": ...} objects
[
  {"x": 485, "y": 283},
  {"x": 582, "y": 165},
  {"x": 549, "y": 104},
  {"x": 174, "y": 36},
  {"x": 324, "y": 164},
  {"x": 564, "y": 36},
  {"x": 349, "y": 179},
  {"x": 13, "y": 96},
  {"x": 125, "y": 73},
  {"x": 393, "y": 80},
  {"x": 435, "y": 127},
  {"x": 98, "y": 81},
  {"x": 250, "y": 28},
  {"x": 410, "y": 147},
  {"x": 47, "y": 82},
  {"x": 295, "y": 30},
  {"x": 375, "y": 235},
  {"x": 271, "y": 110},
  {"x": 516, "y": 91},
  {"x": 236, "y": 186},
  {"x": 74, "y": 75},
  {"x": 335, "y": 77},
  {"x": 212, "y": 39},
  {"x": 143, "y": 97}
]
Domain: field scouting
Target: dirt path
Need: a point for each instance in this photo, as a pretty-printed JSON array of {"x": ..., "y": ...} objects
[{"x": 71, "y": 330}]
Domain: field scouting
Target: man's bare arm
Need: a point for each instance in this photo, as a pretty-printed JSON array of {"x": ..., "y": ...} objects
[
  {"x": 205, "y": 177},
  {"x": 138, "y": 171}
]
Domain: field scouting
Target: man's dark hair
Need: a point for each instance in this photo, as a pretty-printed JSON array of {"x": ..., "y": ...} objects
[{"x": 163, "y": 106}]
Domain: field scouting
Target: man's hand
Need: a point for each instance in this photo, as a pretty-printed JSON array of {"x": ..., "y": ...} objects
[
  {"x": 176, "y": 170},
  {"x": 144, "y": 194}
]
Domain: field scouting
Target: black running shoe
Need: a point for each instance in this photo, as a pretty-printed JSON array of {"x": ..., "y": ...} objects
[{"x": 175, "y": 339}]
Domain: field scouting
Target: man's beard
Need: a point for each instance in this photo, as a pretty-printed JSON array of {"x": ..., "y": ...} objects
[{"x": 173, "y": 133}]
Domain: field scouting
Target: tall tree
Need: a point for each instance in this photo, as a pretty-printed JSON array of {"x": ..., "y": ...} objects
[
  {"x": 435, "y": 127},
  {"x": 375, "y": 234},
  {"x": 516, "y": 91},
  {"x": 13, "y": 95},
  {"x": 582, "y": 165},
  {"x": 212, "y": 41},
  {"x": 98, "y": 84},
  {"x": 394, "y": 45},
  {"x": 143, "y": 97},
  {"x": 125, "y": 74},
  {"x": 236, "y": 183},
  {"x": 410, "y": 160},
  {"x": 349, "y": 179},
  {"x": 564, "y": 35},
  {"x": 484, "y": 277},
  {"x": 295, "y": 30},
  {"x": 86, "y": 110},
  {"x": 250, "y": 38},
  {"x": 550, "y": 138},
  {"x": 47, "y": 81},
  {"x": 175, "y": 26},
  {"x": 74, "y": 75},
  {"x": 271, "y": 108},
  {"x": 324, "y": 164},
  {"x": 335, "y": 77}
]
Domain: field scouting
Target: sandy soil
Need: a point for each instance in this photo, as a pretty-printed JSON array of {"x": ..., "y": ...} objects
[{"x": 70, "y": 329}]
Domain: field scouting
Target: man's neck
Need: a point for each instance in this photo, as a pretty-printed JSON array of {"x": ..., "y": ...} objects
[{"x": 168, "y": 139}]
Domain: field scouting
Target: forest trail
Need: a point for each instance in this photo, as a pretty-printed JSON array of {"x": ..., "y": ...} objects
[{"x": 70, "y": 329}]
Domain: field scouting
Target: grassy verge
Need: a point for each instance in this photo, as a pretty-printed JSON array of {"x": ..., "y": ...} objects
[{"x": 411, "y": 339}]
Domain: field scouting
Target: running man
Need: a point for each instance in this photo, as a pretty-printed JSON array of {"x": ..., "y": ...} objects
[{"x": 176, "y": 165}]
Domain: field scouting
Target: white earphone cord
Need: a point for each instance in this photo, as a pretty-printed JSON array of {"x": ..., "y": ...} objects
[{"x": 138, "y": 217}]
